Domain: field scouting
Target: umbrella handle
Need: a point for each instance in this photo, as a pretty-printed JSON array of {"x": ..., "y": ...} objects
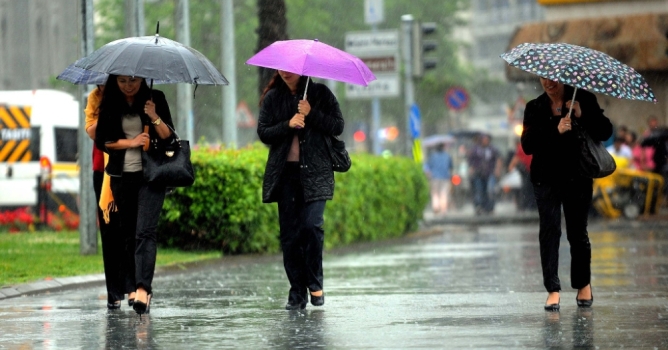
[
  {"x": 306, "y": 88},
  {"x": 570, "y": 109},
  {"x": 147, "y": 143}
]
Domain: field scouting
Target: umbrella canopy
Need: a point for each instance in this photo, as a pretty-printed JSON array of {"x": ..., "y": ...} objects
[
  {"x": 314, "y": 59},
  {"x": 80, "y": 76},
  {"x": 153, "y": 57},
  {"x": 435, "y": 140},
  {"x": 76, "y": 75},
  {"x": 580, "y": 67}
]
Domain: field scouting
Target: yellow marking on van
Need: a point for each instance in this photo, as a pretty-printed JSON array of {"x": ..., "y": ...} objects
[
  {"x": 6, "y": 149},
  {"x": 6, "y": 118},
  {"x": 27, "y": 157},
  {"x": 65, "y": 167},
  {"x": 20, "y": 116},
  {"x": 18, "y": 151}
]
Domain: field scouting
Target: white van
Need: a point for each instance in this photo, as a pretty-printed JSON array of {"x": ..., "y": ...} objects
[{"x": 38, "y": 126}]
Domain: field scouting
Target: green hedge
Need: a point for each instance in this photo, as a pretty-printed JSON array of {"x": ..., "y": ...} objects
[{"x": 377, "y": 198}]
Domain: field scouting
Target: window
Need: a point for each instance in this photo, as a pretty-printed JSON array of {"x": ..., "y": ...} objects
[
  {"x": 66, "y": 144},
  {"x": 34, "y": 143}
]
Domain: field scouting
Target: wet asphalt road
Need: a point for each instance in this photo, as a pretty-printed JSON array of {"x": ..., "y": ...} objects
[{"x": 460, "y": 288}]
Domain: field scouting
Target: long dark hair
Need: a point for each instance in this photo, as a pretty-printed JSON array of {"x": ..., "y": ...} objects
[
  {"x": 277, "y": 83},
  {"x": 113, "y": 102}
]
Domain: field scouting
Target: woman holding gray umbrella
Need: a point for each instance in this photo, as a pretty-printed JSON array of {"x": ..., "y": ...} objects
[
  {"x": 557, "y": 182},
  {"x": 130, "y": 115},
  {"x": 299, "y": 175}
]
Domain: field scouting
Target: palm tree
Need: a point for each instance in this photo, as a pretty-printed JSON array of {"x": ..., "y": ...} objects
[{"x": 273, "y": 27}]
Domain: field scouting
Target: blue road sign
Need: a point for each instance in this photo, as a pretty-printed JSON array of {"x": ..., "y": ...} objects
[
  {"x": 456, "y": 98},
  {"x": 414, "y": 121}
]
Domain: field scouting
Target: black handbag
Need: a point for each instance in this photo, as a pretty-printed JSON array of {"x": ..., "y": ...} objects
[
  {"x": 170, "y": 167},
  {"x": 337, "y": 151},
  {"x": 594, "y": 160}
]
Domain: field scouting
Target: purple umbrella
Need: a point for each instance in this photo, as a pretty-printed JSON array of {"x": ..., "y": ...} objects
[{"x": 314, "y": 59}]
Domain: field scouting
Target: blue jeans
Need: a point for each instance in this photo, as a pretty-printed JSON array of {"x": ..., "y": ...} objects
[{"x": 483, "y": 192}]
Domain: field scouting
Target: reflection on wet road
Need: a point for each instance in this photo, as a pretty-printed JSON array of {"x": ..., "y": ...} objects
[{"x": 479, "y": 288}]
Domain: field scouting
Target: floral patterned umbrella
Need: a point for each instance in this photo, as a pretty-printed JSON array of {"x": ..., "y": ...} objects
[{"x": 580, "y": 67}]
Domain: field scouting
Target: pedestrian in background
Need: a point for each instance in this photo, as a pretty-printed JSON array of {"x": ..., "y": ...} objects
[
  {"x": 522, "y": 163},
  {"x": 641, "y": 156},
  {"x": 485, "y": 163},
  {"x": 557, "y": 181},
  {"x": 619, "y": 148},
  {"x": 117, "y": 263},
  {"x": 128, "y": 105},
  {"x": 439, "y": 171},
  {"x": 299, "y": 175}
]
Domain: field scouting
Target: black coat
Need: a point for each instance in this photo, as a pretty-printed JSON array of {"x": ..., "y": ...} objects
[
  {"x": 110, "y": 129},
  {"x": 324, "y": 120},
  {"x": 555, "y": 155}
]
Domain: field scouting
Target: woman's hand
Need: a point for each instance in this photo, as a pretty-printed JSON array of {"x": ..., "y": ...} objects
[
  {"x": 140, "y": 140},
  {"x": 149, "y": 109},
  {"x": 564, "y": 124},
  {"x": 297, "y": 121},
  {"x": 576, "y": 108},
  {"x": 304, "y": 107}
]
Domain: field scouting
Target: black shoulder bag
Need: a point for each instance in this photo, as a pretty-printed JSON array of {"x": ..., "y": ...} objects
[
  {"x": 594, "y": 160},
  {"x": 337, "y": 151},
  {"x": 170, "y": 167}
]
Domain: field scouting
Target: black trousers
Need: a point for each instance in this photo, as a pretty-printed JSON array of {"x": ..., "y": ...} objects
[
  {"x": 139, "y": 205},
  {"x": 113, "y": 248},
  {"x": 302, "y": 236},
  {"x": 575, "y": 196}
]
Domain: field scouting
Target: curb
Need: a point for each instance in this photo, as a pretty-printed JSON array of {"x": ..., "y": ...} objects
[{"x": 488, "y": 219}]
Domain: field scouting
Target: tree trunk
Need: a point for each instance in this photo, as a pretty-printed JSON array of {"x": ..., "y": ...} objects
[{"x": 273, "y": 27}]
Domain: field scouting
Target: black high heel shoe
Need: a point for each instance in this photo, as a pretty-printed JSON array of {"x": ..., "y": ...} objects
[
  {"x": 585, "y": 303},
  {"x": 553, "y": 307},
  {"x": 131, "y": 302},
  {"x": 291, "y": 305},
  {"x": 141, "y": 307},
  {"x": 318, "y": 300}
]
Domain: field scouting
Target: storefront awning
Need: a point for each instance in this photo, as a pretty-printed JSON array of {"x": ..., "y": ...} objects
[{"x": 639, "y": 41}]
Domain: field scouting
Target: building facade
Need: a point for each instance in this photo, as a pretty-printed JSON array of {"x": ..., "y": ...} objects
[{"x": 39, "y": 38}]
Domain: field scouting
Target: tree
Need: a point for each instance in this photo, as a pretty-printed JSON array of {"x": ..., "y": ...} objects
[
  {"x": 273, "y": 27},
  {"x": 273, "y": 20}
]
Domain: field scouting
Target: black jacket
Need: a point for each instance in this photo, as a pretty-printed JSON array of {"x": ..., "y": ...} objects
[
  {"x": 110, "y": 129},
  {"x": 324, "y": 120},
  {"x": 555, "y": 155}
]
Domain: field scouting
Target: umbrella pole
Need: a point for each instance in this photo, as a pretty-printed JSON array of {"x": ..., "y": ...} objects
[
  {"x": 570, "y": 109},
  {"x": 306, "y": 88},
  {"x": 151, "y": 90}
]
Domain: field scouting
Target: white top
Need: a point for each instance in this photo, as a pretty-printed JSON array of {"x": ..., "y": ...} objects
[{"x": 624, "y": 151}]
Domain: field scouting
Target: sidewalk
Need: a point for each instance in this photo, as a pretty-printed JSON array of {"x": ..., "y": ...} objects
[{"x": 505, "y": 212}]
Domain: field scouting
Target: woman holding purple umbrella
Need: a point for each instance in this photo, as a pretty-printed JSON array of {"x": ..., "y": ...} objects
[
  {"x": 557, "y": 182},
  {"x": 299, "y": 175}
]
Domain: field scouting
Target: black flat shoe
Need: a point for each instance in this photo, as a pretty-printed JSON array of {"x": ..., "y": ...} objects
[
  {"x": 114, "y": 306},
  {"x": 318, "y": 300},
  {"x": 291, "y": 305},
  {"x": 585, "y": 303},
  {"x": 553, "y": 307}
]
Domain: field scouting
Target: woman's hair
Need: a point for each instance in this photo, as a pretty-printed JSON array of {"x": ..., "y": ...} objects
[
  {"x": 113, "y": 100},
  {"x": 277, "y": 83}
]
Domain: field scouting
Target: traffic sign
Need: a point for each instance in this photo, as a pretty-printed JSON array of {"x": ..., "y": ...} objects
[
  {"x": 414, "y": 121},
  {"x": 373, "y": 11},
  {"x": 457, "y": 98},
  {"x": 379, "y": 50}
]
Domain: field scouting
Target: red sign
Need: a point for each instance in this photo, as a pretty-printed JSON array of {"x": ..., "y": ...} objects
[{"x": 456, "y": 98}]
